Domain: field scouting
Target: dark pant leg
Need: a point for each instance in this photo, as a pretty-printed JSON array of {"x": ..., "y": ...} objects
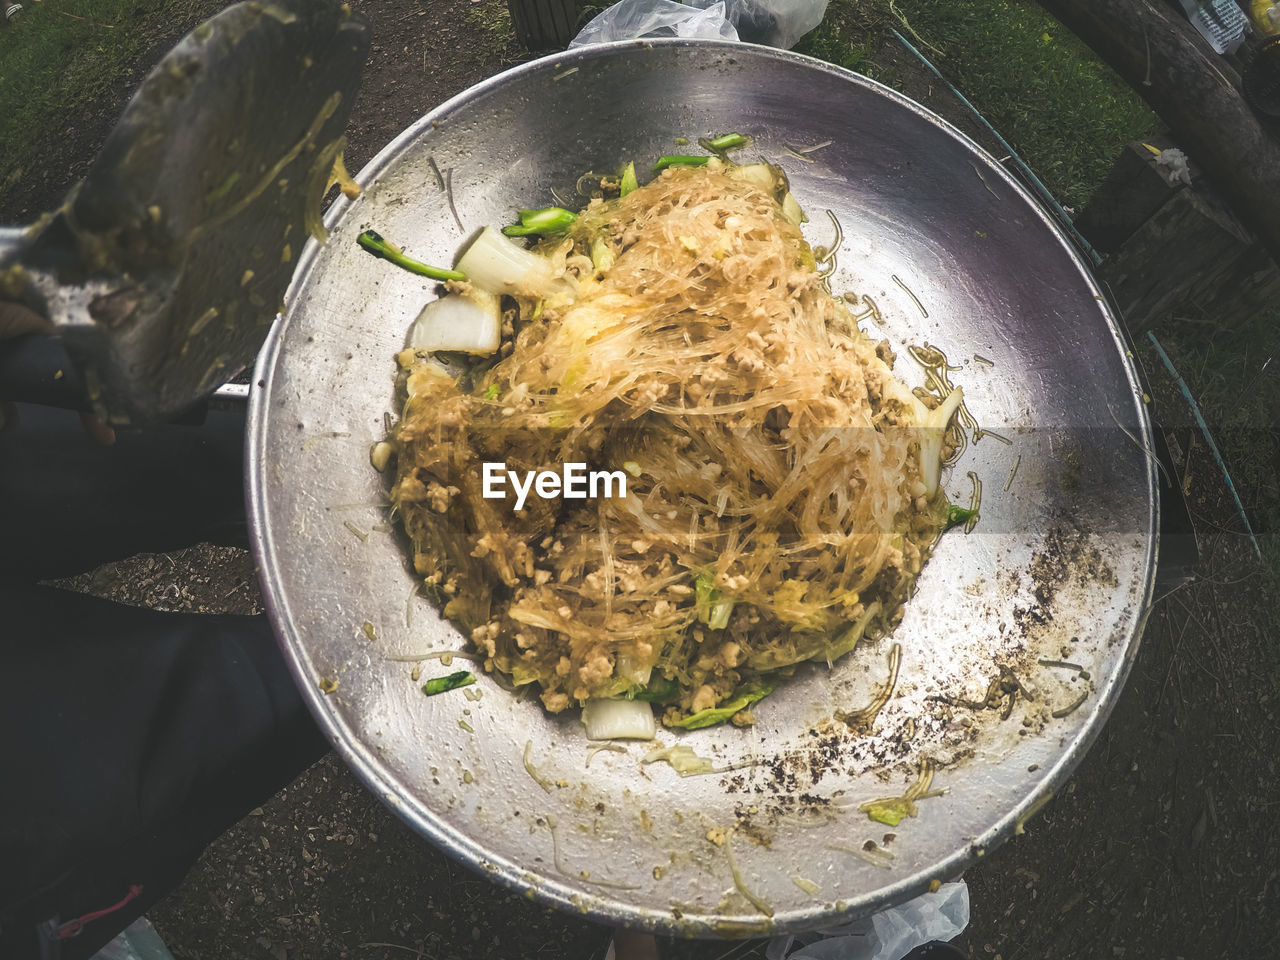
[
  {"x": 68, "y": 504},
  {"x": 131, "y": 739}
]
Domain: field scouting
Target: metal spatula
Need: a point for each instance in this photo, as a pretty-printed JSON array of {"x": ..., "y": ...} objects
[{"x": 163, "y": 270}]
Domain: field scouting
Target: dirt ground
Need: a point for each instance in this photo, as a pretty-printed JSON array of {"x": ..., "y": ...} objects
[{"x": 1164, "y": 845}]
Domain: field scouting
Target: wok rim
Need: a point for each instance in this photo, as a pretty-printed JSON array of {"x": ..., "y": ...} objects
[{"x": 546, "y": 888}]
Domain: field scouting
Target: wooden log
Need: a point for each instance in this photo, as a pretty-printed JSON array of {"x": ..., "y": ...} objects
[{"x": 1195, "y": 92}]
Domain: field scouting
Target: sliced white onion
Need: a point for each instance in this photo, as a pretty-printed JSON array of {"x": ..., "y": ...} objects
[
  {"x": 499, "y": 265},
  {"x": 619, "y": 720},
  {"x": 468, "y": 324}
]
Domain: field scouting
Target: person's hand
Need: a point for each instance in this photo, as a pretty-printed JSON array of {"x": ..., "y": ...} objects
[{"x": 17, "y": 321}]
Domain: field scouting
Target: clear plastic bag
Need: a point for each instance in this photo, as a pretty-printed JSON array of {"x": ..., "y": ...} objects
[
  {"x": 138, "y": 941},
  {"x": 888, "y": 935},
  {"x": 778, "y": 23},
  {"x": 633, "y": 19}
]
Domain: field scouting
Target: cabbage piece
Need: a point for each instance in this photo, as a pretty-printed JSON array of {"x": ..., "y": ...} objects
[
  {"x": 742, "y": 698},
  {"x": 628, "y": 182},
  {"x": 712, "y": 606},
  {"x": 619, "y": 720},
  {"x": 837, "y": 648},
  {"x": 891, "y": 810},
  {"x": 602, "y": 258},
  {"x": 792, "y": 211},
  {"x": 768, "y": 177},
  {"x": 657, "y": 690},
  {"x": 682, "y": 759},
  {"x": 470, "y": 323}
]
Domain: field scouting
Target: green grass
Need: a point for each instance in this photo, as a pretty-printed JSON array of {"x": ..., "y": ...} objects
[
  {"x": 60, "y": 55},
  {"x": 1066, "y": 113},
  {"x": 844, "y": 38},
  {"x": 1238, "y": 392},
  {"x": 492, "y": 19}
]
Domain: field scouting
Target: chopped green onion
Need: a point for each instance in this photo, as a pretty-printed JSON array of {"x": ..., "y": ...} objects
[
  {"x": 678, "y": 160},
  {"x": 546, "y": 220},
  {"x": 373, "y": 242},
  {"x": 727, "y": 141},
  {"x": 958, "y": 515},
  {"x": 453, "y": 681},
  {"x": 628, "y": 182},
  {"x": 492, "y": 392}
]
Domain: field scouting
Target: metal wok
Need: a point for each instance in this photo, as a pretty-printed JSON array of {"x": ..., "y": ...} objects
[{"x": 1059, "y": 569}]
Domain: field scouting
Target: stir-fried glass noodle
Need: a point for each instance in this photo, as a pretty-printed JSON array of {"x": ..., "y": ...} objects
[{"x": 781, "y": 483}]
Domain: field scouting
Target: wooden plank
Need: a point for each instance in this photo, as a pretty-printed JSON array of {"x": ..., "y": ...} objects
[
  {"x": 1131, "y": 193},
  {"x": 1192, "y": 257}
]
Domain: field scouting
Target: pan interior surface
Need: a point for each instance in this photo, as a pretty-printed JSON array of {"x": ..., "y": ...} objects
[{"x": 1012, "y": 651}]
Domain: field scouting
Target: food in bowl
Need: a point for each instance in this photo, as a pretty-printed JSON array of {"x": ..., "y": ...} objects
[{"x": 672, "y": 467}]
